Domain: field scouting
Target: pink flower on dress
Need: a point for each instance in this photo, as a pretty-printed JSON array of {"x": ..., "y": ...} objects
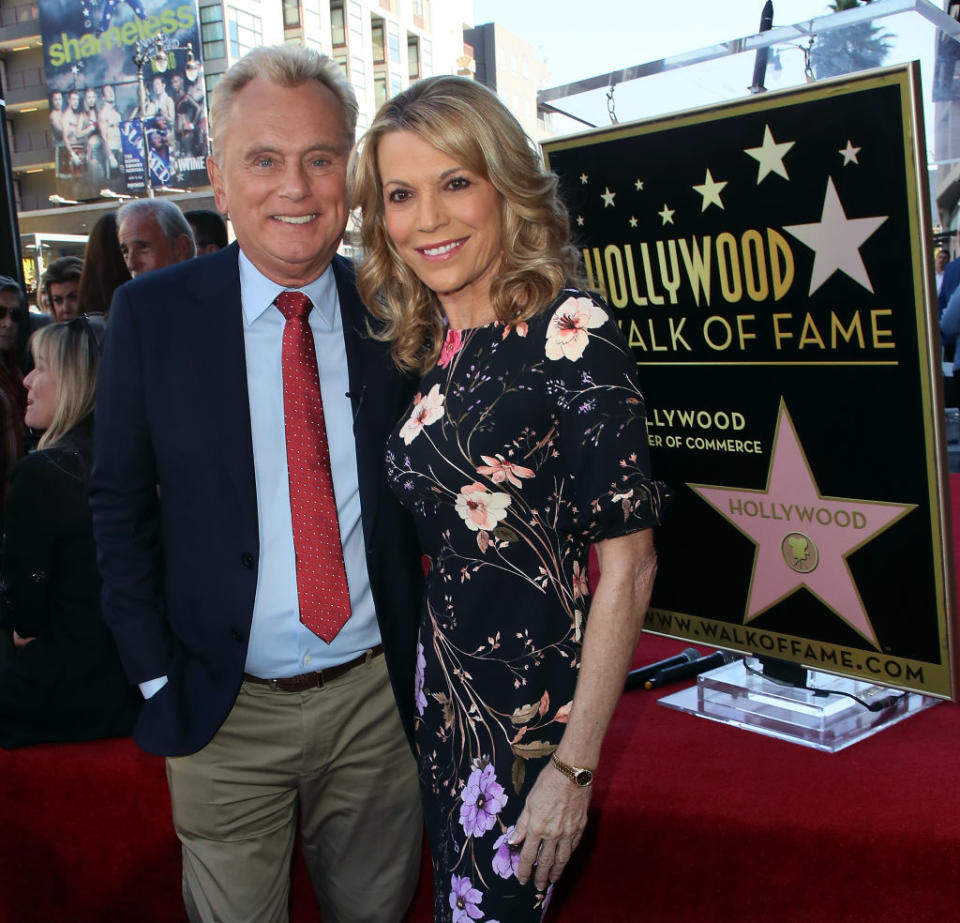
[
  {"x": 498, "y": 469},
  {"x": 426, "y": 410},
  {"x": 479, "y": 508},
  {"x": 451, "y": 346},
  {"x": 567, "y": 333},
  {"x": 581, "y": 584}
]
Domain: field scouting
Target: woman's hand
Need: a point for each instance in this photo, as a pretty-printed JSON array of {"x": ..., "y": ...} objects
[
  {"x": 552, "y": 822},
  {"x": 19, "y": 641}
]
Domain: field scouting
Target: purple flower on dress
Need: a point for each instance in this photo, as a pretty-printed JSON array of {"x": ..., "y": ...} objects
[
  {"x": 483, "y": 799},
  {"x": 464, "y": 898},
  {"x": 506, "y": 858},
  {"x": 418, "y": 695}
]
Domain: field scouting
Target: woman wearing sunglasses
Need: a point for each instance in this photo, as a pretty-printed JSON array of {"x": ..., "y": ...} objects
[{"x": 63, "y": 679}]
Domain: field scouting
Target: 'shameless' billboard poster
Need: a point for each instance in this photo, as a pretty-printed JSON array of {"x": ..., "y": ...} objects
[
  {"x": 769, "y": 265},
  {"x": 95, "y": 118}
]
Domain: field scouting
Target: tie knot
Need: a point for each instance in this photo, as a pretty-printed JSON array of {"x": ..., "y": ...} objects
[{"x": 293, "y": 304}]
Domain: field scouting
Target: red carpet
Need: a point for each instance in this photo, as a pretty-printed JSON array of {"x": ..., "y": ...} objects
[{"x": 692, "y": 821}]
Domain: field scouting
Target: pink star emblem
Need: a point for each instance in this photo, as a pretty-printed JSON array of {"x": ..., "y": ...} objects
[{"x": 803, "y": 539}]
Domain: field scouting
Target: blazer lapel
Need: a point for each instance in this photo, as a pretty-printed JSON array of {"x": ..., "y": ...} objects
[
  {"x": 369, "y": 369},
  {"x": 220, "y": 337}
]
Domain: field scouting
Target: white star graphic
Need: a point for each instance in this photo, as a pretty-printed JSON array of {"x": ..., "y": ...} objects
[
  {"x": 710, "y": 189},
  {"x": 836, "y": 240},
  {"x": 607, "y": 197},
  {"x": 769, "y": 155},
  {"x": 638, "y": 185},
  {"x": 666, "y": 216},
  {"x": 849, "y": 153},
  {"x": 633, "y": 221},
  {"x": 584, "y": 178},
  {"x": 580, "y": 221}
]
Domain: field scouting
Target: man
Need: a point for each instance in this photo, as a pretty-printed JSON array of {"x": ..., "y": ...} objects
[
  {"x": 161, "y": 104},
  {"x": 209, "y": 230},
  {"x": 61, "y": 282},
  {"x": 189, "y": 112},
  {"x": 212, "y": 509},
  {"x": 77, "y": 129},
  {"x": 153, "y": 233},
  {"x": 108, "y": 124}
]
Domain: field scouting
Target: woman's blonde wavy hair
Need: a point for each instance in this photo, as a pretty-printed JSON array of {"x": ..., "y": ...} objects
[
  {"x": 72, "y": 350},
  {"x": 465, "y": 121}
]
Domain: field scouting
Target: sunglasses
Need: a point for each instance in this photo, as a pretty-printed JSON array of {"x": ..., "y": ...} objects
[
  {"x": 82, "y": 322},
  {"x": 16, "y": 314}
]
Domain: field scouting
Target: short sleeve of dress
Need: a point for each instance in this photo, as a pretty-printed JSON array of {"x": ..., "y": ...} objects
[{"x": 590, "y": 375}]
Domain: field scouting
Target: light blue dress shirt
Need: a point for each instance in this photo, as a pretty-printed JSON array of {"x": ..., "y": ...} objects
[{"x": 280, "y": 645}]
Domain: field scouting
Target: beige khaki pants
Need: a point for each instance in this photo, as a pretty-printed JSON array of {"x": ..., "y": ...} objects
[{"x": 337, "y": 756}]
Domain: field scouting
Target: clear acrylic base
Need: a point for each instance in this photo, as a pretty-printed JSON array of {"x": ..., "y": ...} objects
[{"x": 815, "y": 717}]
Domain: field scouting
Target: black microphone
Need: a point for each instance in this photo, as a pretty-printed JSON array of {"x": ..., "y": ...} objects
[
  {"x": 636, "y": 678},
  {"x": 686, "y": 670},
  {"x": 356, "y": 400}
]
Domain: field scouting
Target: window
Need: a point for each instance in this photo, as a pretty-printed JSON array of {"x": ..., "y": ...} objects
[
  {"x": 211, "y": 32},
  {"x": 376, "y": 32},
  {"x": 394, "y": 41},
  {"x": 246, "y": 32},
  {"x": 337, "y": 24},
  {"x": 413, "y": 57},
  {"x": 291, "y": 14},
  {"x": 380, "y": 90}
]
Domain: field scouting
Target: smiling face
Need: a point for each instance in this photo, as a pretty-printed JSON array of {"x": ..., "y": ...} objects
[
  {"x": 445, "y": 222},
  {"x": 42, "y": 385},
  {"x": 281, "y": 176}
]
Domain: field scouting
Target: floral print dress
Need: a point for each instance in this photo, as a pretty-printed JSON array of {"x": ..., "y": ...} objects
[{"x": 525, "y": 445}]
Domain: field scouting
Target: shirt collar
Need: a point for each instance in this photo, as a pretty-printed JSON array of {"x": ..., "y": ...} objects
[{"x": 257, "y": 294}]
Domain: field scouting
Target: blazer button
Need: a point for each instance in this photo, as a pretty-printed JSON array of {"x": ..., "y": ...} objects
[
  {"x": 237, "y": 636},
  {"x": 246, "y": 559}
]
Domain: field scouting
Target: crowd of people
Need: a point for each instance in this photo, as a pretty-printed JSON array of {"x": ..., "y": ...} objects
[
  {"x": 265, "y": 495},
  {"x": 61, "y": 678}
]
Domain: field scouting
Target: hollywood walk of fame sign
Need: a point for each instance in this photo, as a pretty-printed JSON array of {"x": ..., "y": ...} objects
[{"x": 768, "y": 263}]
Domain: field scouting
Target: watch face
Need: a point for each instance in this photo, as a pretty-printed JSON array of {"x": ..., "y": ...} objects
[{"x": 583, "y": 777}]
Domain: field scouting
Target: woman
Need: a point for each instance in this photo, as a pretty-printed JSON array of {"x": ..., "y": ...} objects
[
  {"x": 104, "y": 269},
  {"x": 526, "y": 445},
  {"x": 13, "y": 323},
  {"x": 63, "y": 680}
]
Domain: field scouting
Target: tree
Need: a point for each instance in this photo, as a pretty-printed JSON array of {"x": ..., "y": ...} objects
[{"x": 854, "y": 48}]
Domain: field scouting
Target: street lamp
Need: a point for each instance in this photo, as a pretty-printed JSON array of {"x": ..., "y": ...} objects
[{"x": 154, "y": 49}]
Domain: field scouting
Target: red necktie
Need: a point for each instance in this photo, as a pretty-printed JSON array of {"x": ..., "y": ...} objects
[{"x": 321, "y": 576}]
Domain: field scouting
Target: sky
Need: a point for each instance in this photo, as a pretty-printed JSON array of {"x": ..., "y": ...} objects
[
  {"x": 587, "y": 38},
  {"x": 582, "y": 39}
]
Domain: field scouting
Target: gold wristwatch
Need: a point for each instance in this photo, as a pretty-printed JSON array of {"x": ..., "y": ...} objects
[{"x": 578, "y": 776}]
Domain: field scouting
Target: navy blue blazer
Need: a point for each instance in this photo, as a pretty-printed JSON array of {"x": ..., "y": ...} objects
[{"x": 174, "y": 495}]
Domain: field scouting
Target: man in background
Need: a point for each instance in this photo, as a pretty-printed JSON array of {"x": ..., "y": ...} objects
[
  {"x": 153, "y": 233},
  {"x": 209, "y": 230}
]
